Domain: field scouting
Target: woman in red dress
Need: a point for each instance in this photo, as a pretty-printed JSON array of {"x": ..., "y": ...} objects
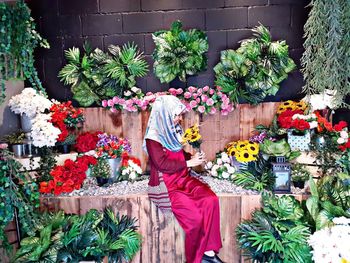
[{"x": 173, "y": 189}]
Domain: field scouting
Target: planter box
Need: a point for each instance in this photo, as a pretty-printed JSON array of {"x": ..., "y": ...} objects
[{"x": 299, "y": 142}]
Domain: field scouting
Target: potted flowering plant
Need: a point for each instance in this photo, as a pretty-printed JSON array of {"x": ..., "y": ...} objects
[
  {"x": 112, "y": 148},
  {"x": 221, "y": 167},
  {"x": 101, "y": 171},
  {"x": 130, "y": 168}
]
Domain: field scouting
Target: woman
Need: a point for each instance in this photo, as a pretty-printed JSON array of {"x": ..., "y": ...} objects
[{"x": 173, "y": 189}]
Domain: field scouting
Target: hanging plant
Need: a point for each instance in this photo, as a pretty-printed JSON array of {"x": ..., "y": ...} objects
[
  {"x": 95, "y": 75},
  {"x": 256, "y": 69},
  {"x": 326, "y": 60},
  {"x": 179, "y": 53},
  {"x": 18, "y": 39}
]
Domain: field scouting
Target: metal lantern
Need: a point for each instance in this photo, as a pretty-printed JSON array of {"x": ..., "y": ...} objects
[{"x": 282, "y": 172}]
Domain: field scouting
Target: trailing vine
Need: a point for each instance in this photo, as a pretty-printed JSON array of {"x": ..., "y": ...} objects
[{"x": 18, "y": 39}]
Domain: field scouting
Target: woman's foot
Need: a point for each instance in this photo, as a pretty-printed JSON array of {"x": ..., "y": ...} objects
[{"x": 208, "y": 259}]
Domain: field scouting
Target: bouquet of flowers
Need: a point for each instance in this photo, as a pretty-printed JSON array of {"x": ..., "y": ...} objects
[
  {"x": 69, "y": 176},
  {"x": 43, "y": 132},
  {"x": 111, "y": 147},
  {"x": 204, "y": 100},
  {"x": 29, "y": 102},
  {"x": 192, "y": 137},
  {"x": 86, "y": 141},
  {"x": 66, "y": 117},
  {"x": 221, "y": 167},
  {"x": 130, "y": 168},
  {"x": 332, "y": 244},
  {"x": 244, "y": 150}
]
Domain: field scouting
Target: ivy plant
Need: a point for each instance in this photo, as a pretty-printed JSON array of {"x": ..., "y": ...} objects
[
  {"x": 18, "y": 39},
  {"x": 179, "y": 53},
  {"x": 326, "y": 60},
  {"x": 276, "y": 233},
  {"x": 256, "y": 69},
  {"x": 22, "y": 197}
]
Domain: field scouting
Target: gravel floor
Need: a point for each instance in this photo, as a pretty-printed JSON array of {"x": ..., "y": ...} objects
[{"x": 90, "y": 188}]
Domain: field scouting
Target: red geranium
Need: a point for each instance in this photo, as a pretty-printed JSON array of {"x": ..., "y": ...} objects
[
  {"x": 86, "y": 141},
  {"x": 340, "y": 126},
  {"x": 68, "y": 177},
  {"x": 300, "y": 125},
  {"x": 285, "y": 118}
]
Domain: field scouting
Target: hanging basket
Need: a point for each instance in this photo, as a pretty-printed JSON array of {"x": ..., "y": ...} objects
[{"x": 299, "y": 142}]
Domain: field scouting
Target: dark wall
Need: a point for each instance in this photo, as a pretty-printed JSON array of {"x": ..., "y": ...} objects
[{"x": 67, "y": 23}]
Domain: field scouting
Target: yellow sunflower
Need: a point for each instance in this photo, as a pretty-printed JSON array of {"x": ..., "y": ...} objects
[
  {"x": 301, "y": 105},
  {"x": 241, "y": 145},
  {"x": 244, "y": 157},
  {"x": 253, "y": 148},
  {"x": 231, "y": 151},
  {"x": 195, "y": 137},
  {"x": 287, "y": 105}
]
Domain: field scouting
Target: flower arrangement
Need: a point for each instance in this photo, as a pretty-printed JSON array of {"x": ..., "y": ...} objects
[
  {"x": 192, "y": 137},
  {"x": 332, "y": 244},
  {"x": 29, "y": 102},
  {"x": 66, "y": 117},
  {"x": 297, "y": 120},
  {"x": 204, "y": 100},
  {"x": 221, "y": 167},
  {"x": 86, "y": 141},
  {"x": 243, "y": 150},
  {"x": 111, "y": 147},
  {"x": 69, "y": 176},
  {"x": 130, "y": 168},
  {"x": 43, "y": 132}
]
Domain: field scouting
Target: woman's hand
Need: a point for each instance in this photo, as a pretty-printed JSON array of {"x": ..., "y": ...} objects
[{"x": 197, "y": 159}]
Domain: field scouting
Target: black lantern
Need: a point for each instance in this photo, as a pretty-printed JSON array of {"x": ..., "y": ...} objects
[{"x": 282, "y": 172}]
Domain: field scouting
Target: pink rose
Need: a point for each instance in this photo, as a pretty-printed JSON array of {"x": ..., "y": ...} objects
[
  {"x": 195, "y": 95},
  {"x": 149, "y": 93},
  {"x": 211, "y": 91},
  {"x": 212, "y": 110},
  {"x": 218, "y": 88},
  {"x": 219, "y": 93},
  {"x": 192, "y": 89},
  {"x": 210, "y": 102},
  {"x": 121, "y": 101},
  {"x": 193, "y": 104},
  {"x": 198, "y": 100},
  {"x": 199, "y": 91},
  {"x": 113, "y": 110},
  {"x": 224, "y": 112},
  {"x": 179, "y": 91},
  {"x": 115, "y": 100},
  {"x": 188, "y": 107},
  {"x": 172, "y": 91},
  {"x": 129, "y": 103},
  {"x": 187, "y": 95},
  {"x": 204, "y": 98},
  {"x": 206, "y": 88},
  {"x": 104, "y": 103},
  {"x": 138, "y": 102},
  {"x": 110, "y": 103},
  {"x": 201, "y": 109}
]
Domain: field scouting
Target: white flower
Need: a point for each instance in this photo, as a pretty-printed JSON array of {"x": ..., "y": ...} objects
[
  {"x": 43, "y": 132},
  {"x": 208, "y": 165},
  {"x": 219, "y": 161},
  {"x": 313, "y": 124},
  {"x": 341, "y": 140},
  {"x": 29, "y": 102},
  {"x": 344, "y": 134},
  {"x": 136, "y": 90},
  {"x": 124, "y": 172},
  {"x": 127, "y": 93},
  {"x": 231, "y": 170},
  {"x": 225, "y": 175},
  {"x": 132, "y": 175},
  {"x": 214, "y": 173},
  {"x": 215, "y": 167}
]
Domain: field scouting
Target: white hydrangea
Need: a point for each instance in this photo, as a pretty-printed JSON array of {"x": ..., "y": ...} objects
[
  {"x": 221, "y": 167},
  {"x": 43, "y": 132},
  {"x": 29, "y": 102}
]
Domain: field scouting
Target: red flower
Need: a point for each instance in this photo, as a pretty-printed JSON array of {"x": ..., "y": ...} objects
[
  {"x": 340, "y": 126},
  {"x": 285, "y": 118},
  {"x": 300, "y": 125},
  {"x": 86, "y": 141}
]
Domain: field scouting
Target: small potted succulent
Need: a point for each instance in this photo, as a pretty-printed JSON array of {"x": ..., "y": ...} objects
[
  {"x": 299, "y": 175},
  {"x": 101, "y": 171},
  {"x": 16, "y": 142}
]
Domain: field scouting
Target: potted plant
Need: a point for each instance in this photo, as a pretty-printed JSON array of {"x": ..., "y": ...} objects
[
  {"x": 130, "y": 169},
  {"x": 65, "y": 146},
  {"x": 15, "y": 141},
  {"x": 299, "y": 175},
  {"x": 101, "y": 171}
]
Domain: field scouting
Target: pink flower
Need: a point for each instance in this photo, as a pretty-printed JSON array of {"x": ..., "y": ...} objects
[
  {"x": 224, "y": 112},
  {"x": 198, "y": 100},
  {"x": 138, "y": 102},
  {"x": 212, "y": 110},
  {"x": 199, "y": 91},
  {"x": 218, "y": 88},
  {"x": 115, "y": 100},
  {"x": 149, "y": 93},
  {"x": 131, "y": 108},
  {"x": 195, "y": 95},
  {"x": 219, "y": 93},
  {"x": 211, "y": 91},
  {"x": 113, "y": 110},
  {"x": 172, "y": 91},
  {"x": 188, "y": 107},
  {"x": 187, "y": 95},
  {"x": 204, "y": 98},
  {"x": 193, "y": 104},
  {"x": 192, "y": 89},
  {"x": 210, "y": 102},
  {"x": 121, "y": 101},
  {"x": 104, "y": 103},
  {"x": 110, "y": 103},
  {"x": 201, "y": 109},
  {"x": 206, "y": 88},
  {"x": 179, "y": 91}
]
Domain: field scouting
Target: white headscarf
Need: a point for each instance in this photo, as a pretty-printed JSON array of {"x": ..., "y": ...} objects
[{"x": 161, "y": 126}]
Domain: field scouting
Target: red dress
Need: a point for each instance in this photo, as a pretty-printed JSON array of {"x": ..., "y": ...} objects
[{"x": 194, "y": 204}]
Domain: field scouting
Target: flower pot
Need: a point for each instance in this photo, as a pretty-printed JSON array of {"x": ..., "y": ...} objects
[
  {"x": 102, "y": 181},
  {"x": 299, "y": 184},
  {"x": 64, "y": 148},
  {"x": 26, "y": 125},
  {"x": 18, "y": 150},
  {"x": 114, "y": 164},
  {"x": 299, "y": 142}
]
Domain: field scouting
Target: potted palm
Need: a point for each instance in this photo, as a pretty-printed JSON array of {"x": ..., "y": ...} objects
[{"x": 16, "y": 142}]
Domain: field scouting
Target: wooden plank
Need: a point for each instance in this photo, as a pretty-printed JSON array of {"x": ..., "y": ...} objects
[{"x": 248, "y": 205}]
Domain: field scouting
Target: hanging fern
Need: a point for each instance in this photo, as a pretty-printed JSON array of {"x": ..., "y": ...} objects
[
  {"x": 179, "y": 53},
  {"x": 256, "y": 69},
  {"x": 18, "y": 39},
  {"x": 326, "y": 60}
]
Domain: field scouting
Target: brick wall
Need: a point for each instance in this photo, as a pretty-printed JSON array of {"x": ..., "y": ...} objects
[{"x": 67, "y": 23}]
